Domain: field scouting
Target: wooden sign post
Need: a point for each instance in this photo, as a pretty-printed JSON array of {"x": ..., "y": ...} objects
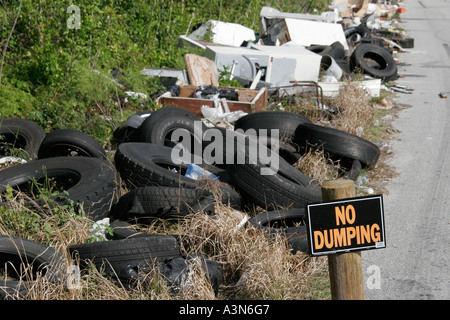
[{"x": 345, "y": 269}]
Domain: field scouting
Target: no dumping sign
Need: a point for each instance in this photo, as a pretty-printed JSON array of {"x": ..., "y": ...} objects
[{"x": 345, "y": 225}]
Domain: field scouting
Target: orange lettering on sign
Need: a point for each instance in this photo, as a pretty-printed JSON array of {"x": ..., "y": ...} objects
[
  {"x": 350, "y": 210},
  {"x": 318, "y": 240},
  {"x": 345, "y": 215},
  {"x": 375, "y": 235},
  {"x": 340, "y": 215}
]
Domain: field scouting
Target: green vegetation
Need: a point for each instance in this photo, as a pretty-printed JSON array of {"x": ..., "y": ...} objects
[
  {"x": 61, "y": 77},
  {"x": 57, "y": 73}
]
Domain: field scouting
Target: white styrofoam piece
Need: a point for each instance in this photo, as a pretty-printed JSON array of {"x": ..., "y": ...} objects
[{"x": 225, "y": 33}]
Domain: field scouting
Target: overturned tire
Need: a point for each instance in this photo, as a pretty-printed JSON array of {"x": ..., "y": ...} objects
[
  {"x": 161, "y": 124},
  {"x": 124, "y": 257},
  {"x": 355, "y": 34},
  {"x": 87, "y": 182},
  {"x": 70, "y": 142},
  {"x": 273, "y": 187},
  {"x": 20, "y": 134},
  {"x": 284, "y": 122},
  {"x": 289, "y": 223},
  {"x": 146, "y": 203},
  {"x": 375, "y": 61},
  {"x": 36, "y": 258},
  {"x": 337, "y": 143},
  {"x": 143, "y": 164}
]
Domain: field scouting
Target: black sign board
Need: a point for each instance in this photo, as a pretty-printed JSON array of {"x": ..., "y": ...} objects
[{"x": 345, "y": 225}]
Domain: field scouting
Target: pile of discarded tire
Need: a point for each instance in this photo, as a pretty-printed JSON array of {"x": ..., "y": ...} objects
[
  {"x": 369, "y": 52},
  {"x": 158, "y": 187}
]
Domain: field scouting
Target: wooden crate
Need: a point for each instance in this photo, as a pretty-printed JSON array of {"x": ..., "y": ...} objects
[{"x": 249, "y": 100}]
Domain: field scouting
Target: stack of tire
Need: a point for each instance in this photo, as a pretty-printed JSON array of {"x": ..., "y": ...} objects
[
  {"x": 157, "y": 187},
  {"x": 144, "y": 159},
  {"x": 369, "y": 54},
  {"x": 290, "y": 188},
  {"x": 75, "y": 160}
]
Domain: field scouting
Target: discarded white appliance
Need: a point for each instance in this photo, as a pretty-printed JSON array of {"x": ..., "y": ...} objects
[
  {"x": 306, "y": 33},
  {"x": 276, "y": 66}
]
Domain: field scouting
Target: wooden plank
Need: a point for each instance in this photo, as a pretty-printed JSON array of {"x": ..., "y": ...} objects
[{"x": 201, "y": 70}]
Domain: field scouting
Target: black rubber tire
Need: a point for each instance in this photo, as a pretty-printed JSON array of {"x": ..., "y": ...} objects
[
  {"x": 234, "y": 139},
  {"x": 21, "y": 134},
  {"x": 42, "y": 259},
  {"x": 147, "y": 203},
  {"x": 285, "y": 122},
  {"x": 279, "y": 219},
  {"x": 335, "y": 50},
  {"x": 284, "y": 222},
  {"x": 158, "y": 127},
  {"x": 355, "y": 34},
  {"x": 288, "y": 187},
  {"x": 70, "y": 142},
  {"x": 123, "y": 230},
  {"x": 143, "y": 164},
  {"x": 93, "y": 182},
  {"x": 337, "y": 143},
  {"x": 317, "y": 48},
  {"x": 123, "y": 257},
  {"x": 383, "y": 65}
]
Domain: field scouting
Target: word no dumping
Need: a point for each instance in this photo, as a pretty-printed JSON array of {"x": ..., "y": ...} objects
[{"x": 346, "y": 225}]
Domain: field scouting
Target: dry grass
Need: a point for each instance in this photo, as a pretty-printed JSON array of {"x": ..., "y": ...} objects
[
  {"x": 355, "y": 110},
  {"x": 255, "y": 266}
]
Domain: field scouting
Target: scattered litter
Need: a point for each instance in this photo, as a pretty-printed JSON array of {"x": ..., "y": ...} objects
[
  {"x": 136, "y": 95},
  {"x": 333, "y": 89},
  {"x": 361, "y": 183},
  {"x": 98, "y": 229},
  {"x": 195, "y": 172},
  {"x": 221, "y": 113},
  {"x": 11, "y": 160}
]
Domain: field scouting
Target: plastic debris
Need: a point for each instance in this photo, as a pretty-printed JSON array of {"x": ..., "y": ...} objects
[{"x": 195, "y": 172}]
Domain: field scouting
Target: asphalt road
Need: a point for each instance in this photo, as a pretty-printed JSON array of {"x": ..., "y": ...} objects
[{"x": 415, "y": 263}]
